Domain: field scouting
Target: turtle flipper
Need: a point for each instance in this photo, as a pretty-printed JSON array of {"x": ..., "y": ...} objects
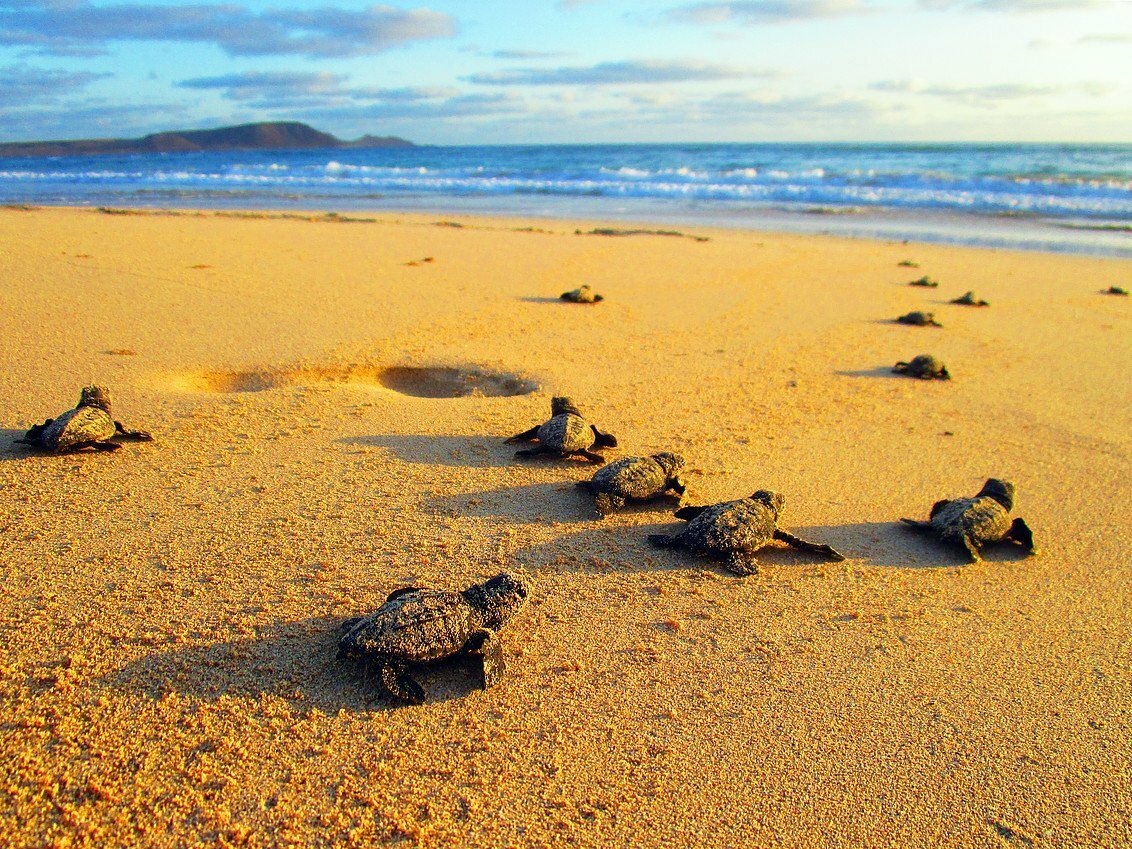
[
  {"x": 742, "y": 563},
  {"x": 605, "y": 503},
  {"x": 972, "y": 550},
  {"x": 487, "y": 645},
  {"x": 402, "y": 591},
  {"x": 592, "y": 457},
  {"x": 136, "y": 435},
  {"x": 350, "y": 623},
  {"x": 804, "y": 545},
  {"x": 95, "y": 444},
  {"x": 603, "y": 440},
  {"x": 689, "y": 513},
  {"x": 916, "y": 525},
  {"x": 531, "y": 452},
  {"x": 1020, "y": 533},
  {"x": 526, "y": 435},
  {"x": 401, "y": 685},
  {"x": 679, "y": 486}
]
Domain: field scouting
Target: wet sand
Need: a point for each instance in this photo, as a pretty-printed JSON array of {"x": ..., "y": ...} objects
[{"x": 170, "y": 611}]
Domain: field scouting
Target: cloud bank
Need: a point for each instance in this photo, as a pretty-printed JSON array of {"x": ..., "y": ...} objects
[{"x": 615, "y": 73}]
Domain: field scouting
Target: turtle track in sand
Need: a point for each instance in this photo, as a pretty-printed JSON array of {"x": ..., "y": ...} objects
[{"x": 418, "y": 382}]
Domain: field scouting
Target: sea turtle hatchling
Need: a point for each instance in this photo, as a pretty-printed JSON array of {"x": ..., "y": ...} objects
[
  {"x": 635, "y": 479},
  {"x": 925, "y": 367},
  {"x": 1115, "y": 290},
  {"x": 582, "y": 295},
  {"x": 735, "y": 530},
  {"x": 974, "y": 522},
  {"x": 969, "y": 300},
  {"x": 89, "y": 425},
  {"x": 925, "y": 281},
  {"x": 919, "y": 319},
  {"x": 565, "y": 433},
  {"x": 418, "y": 625}
]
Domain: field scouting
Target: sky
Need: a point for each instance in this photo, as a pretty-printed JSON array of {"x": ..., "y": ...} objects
[{"x": 573, "y": 71}]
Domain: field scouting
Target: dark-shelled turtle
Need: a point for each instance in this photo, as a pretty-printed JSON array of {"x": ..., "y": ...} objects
[
  {"x": 89, "y": 425},
  {"x": 565, "y": 434},
  {"x": 735, "y": 530},
  {"x": 582, "y": 295},
  {"x": 1115, "y": 290},
  {"x": 635, "y": 479},
  {"x": 919, "y": 319},
  {"x": 925, "y": 367},
  {"x": 924, "y": 281},
  {"x": 418, "y": 625},
  {"x": 969, "y": 300},
  {"x": 975, "y": 522}
]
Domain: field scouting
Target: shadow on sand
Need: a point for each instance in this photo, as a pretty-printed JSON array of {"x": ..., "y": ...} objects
[
  {"x": 530, "y": 299},
  {"x": 10, "y": 450},
  {"x": 294, "y": 661},
  {"x": 879, "y": 371},
  {"x": 481, "y": 452},
  {"x": 557, "y": 501}
]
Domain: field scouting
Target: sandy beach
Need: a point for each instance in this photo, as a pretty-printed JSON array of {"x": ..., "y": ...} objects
[{"x": 170, "y": 611}]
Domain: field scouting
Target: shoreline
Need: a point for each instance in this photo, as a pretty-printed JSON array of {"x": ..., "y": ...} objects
[{"x": 991, "y": 232}]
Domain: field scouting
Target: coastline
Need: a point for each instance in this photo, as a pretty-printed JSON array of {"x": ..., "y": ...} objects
[{"x": 171, "y": 609}]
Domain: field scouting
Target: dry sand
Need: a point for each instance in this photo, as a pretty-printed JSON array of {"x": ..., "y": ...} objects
[{"x": 169, "y": 612}]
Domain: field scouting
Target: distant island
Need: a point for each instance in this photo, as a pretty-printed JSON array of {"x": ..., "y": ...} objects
[{"x": 272, "y": 135}]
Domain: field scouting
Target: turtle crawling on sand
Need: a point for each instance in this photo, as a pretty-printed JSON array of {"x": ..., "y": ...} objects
[
  {"x": 89, "y": 425},
  {"x": 1115, "y": 290},
  {"x": 924, "y": 281},
  {"x": 735, "y": 530},
  {"x": 635, "y": 479},
  {"x": 974, "y": 522},
  {"x": 919, "y": 319},
  {"x": 925, "y": 367},
  {"x": 582, "y": 295},
  {"x": 418, "y": 625},
  {"x": 565, "y": 433},
  {"x": 969, "y": 300}
]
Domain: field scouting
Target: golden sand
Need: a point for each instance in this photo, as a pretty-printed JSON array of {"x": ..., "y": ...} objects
[{"x": 169, "y": 612}]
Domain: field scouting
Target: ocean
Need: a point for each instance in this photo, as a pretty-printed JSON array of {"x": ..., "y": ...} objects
[{"x": 1053, "y": 197}]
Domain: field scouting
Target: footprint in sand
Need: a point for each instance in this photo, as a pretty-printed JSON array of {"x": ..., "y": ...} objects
[{"x": 418, "y": 382}]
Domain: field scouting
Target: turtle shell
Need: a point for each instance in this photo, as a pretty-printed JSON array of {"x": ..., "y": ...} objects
[
  {"x": 744, "y": 525},
  {"x": 981, "y": 518},
  {"x": 566, "y": 432},
  {"x": 631, "y": 477},
  {"x": 78, "y": 426},
  {"x": 414, "y": 627}
]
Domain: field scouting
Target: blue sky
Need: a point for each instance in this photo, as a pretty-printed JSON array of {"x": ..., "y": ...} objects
[{"x": 562, "y": 71}]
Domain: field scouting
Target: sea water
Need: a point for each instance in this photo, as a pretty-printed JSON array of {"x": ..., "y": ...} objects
[{"x": 1060, "y": 197}]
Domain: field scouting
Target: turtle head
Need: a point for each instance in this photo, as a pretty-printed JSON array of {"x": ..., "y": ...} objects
[
  {"x": 1000, "y": 491},
  {"x": 95, "y": 396},
  {"x": 560, "y": 405},
  {"x": 498, "y": 599},
  {"x": 673, "y": 464},
  {"x": 773, "y": 500}
]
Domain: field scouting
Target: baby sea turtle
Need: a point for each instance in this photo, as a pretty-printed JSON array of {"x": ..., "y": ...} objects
[
  {"x": 735, "y": 530},
  {"x": 969, "y": 300},
  {"x": 635, "y": 479},
  {"x": 418, "y": 625},
  {"x": 89, "y": 425},
  {"x": 1115, "y": 290},
  {"x": 565, "y": 433},
  {"x": 582, "y": 295},
  {"x": 919, "y": 319},
  {"x": 974, "y": 522},
  {"x": 925, "y": 367},
  {"x": 924, "y": 281}
]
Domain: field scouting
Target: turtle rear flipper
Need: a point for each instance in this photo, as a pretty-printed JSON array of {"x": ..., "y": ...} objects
[
  {"x": 1020, "y": 533},
  {"x": 487, "y": 645},
  {"x": 689, "y": 513},
  {"x": 401, "y": 685},
  {"x": 136, "y": 435},
  {"x": 804, "y": 545},
  {"x": 603, "y": 440},
  {"x": 526, "y": 435},
  {"x": 917, "y": 525},
  {"x": 95, "y": 444}
]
